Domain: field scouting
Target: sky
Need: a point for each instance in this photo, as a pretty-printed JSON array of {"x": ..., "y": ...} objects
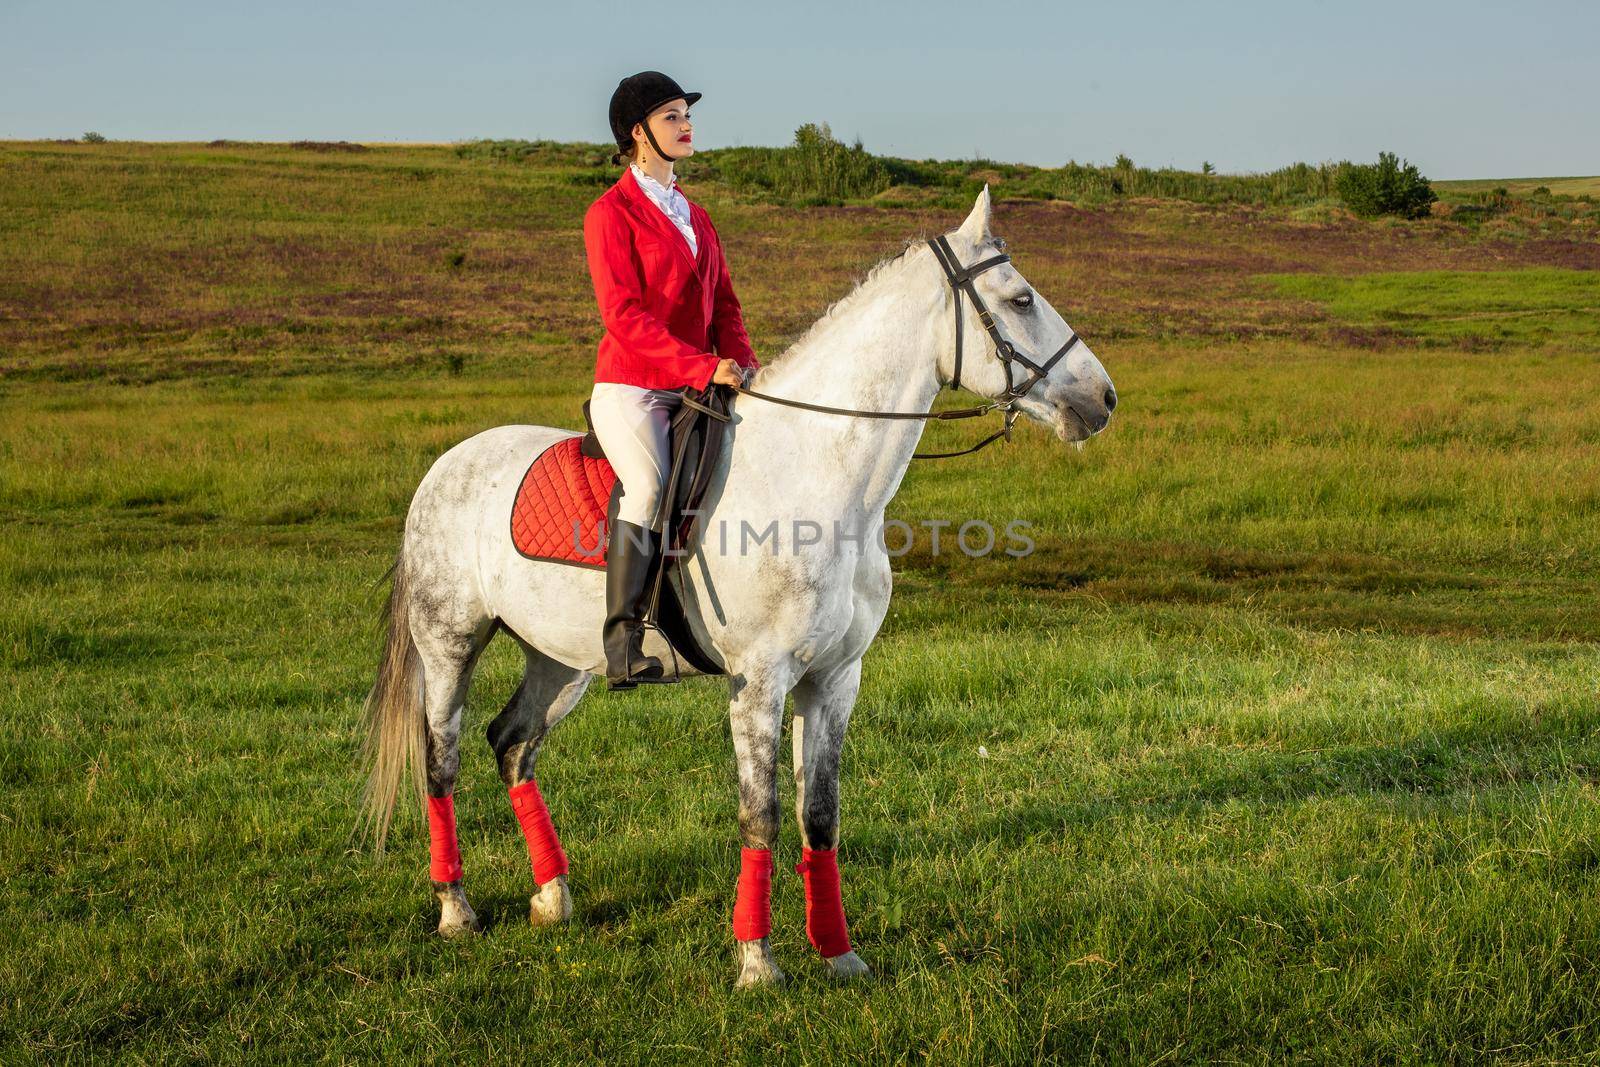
[{"x": 1463, "y": 90}]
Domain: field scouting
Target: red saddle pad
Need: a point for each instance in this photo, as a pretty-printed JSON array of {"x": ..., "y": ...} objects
[{"x": 560, "y": 509}]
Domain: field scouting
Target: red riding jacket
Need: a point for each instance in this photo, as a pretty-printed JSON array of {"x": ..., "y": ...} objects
[{"x": 665, "y": 310}]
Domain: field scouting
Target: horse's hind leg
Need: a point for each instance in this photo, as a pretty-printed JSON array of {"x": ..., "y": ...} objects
[
  {"x": 549, "y": 690},
  {"x": 447, "y": 662}
]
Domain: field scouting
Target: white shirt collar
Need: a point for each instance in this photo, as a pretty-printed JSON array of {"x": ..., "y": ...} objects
[
  {"x": 671, "y": 203},
  {"x": 653, "y": 187}
]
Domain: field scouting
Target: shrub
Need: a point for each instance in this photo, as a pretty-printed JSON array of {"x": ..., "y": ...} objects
[
  {"x": 94, "y": 138},
  {"x": 1300, "y": 184},
  {"x": 821, "y": 166},
  {"x": 816, "y": 169},
  {"x": 1388, "y": 187}
]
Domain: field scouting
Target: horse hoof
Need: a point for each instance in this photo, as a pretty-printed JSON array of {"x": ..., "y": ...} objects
[
  {"x": 755, "y": 965},
  {"x": 453, "y": 926},
  {"x": 456, "y": 917},
  {"x": 848, "y": 966},
  {"x": 552, "y": 903}
]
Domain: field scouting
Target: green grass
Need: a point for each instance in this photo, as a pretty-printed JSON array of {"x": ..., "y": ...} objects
[
  {"x": 1291, "y": 720},
  {"x": 1576, "y": 186},
  {"x": 1475, "y": 308}
]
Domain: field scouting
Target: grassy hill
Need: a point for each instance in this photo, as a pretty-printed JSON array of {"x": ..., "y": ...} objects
[
  {"x": 134, "y": 261},
  {"x": 1522, "y": 186},
  {"x": 1282, "y": 745}
]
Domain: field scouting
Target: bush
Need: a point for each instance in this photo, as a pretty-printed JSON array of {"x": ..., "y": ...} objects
[
  {"x": 1388, "y": 187},
  {"x": 94, "y": 138},
  {"x": 819, "y": 169},
  {"x": 825, "y": 167},
  {"x": 816, "y": 169},
  {"x": 1298, "y": 185}
]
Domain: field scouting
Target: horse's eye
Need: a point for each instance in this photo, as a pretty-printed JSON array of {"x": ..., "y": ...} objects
[{"x": 1023, "y": 301}]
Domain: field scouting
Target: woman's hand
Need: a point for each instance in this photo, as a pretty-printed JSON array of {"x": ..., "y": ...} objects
[{"x": 729, "y": 373}]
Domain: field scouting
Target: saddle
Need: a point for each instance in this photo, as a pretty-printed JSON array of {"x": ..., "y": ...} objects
[{"x": 556, "y": 513}]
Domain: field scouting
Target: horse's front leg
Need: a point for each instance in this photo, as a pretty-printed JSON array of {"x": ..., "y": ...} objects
[
  {"x": 756, "y": 716},
  {"x": 822, "y": 705}
]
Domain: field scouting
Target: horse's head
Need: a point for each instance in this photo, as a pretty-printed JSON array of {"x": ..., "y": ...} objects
[{"x": 1075, "y": 398}]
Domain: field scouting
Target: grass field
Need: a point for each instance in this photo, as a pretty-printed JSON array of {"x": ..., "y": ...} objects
[
  {"x": 1589, "y": 186},
  {"x": 1291, "y": 722}
]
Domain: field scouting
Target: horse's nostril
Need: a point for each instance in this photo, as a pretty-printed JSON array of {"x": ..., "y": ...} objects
[{"x": 1111, "y": 400}]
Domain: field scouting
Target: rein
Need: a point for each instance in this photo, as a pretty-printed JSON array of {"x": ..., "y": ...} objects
[{"x": 961, "y": 280}]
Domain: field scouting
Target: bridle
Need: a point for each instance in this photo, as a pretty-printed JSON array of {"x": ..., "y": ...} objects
[{"x": 961, "y": 280}]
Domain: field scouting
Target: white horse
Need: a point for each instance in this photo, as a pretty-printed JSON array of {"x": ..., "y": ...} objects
[{"x": 793, "y": 617}]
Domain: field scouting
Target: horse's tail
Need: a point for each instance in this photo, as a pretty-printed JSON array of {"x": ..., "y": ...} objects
[{"x": 396, "y": 727}]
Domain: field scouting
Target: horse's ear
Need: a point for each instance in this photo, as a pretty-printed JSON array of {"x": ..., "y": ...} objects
[{"x": 976, "y": 228}]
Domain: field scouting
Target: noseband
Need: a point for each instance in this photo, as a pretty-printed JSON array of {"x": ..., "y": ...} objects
[{"x": 961, "y": 280}]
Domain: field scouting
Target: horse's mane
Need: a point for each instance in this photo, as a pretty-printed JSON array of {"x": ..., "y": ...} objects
[{"x": 845, "y": 302}]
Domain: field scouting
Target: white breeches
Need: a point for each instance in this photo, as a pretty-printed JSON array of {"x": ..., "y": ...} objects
[{"x": 632, "y": 424}]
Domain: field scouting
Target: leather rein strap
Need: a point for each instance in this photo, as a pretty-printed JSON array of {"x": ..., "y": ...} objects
[{"x": 961, "y": 280}]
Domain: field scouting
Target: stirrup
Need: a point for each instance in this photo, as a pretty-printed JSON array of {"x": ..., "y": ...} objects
[{"x": 636, "y": 680}]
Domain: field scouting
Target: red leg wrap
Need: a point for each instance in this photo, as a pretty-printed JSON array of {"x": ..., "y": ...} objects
[
  {"x": 824, "y": 907},
  {"x": 544, "y": 847},
  {"x": 752, "y": 910},
  {"x": 444, "y": 853}
]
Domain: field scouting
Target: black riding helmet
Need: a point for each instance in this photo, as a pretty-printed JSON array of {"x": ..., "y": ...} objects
[{"x": 637, "y": 96}]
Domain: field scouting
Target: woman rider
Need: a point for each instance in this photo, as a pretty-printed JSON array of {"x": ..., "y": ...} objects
[{"x": 671, "y": 322}]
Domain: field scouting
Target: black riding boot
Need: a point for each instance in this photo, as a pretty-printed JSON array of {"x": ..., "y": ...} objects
[{"x": 629, "y": 557}]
